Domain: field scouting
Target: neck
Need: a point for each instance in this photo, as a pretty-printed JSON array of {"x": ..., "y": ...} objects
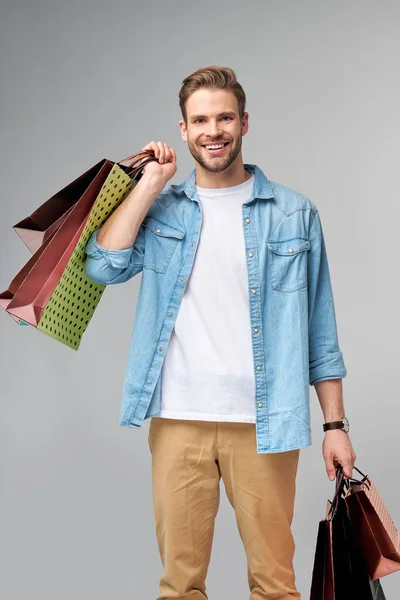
[{"x": 235, "y": 174}]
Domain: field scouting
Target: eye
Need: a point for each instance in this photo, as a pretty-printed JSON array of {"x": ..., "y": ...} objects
[
  {"x": 227, "y": 117},
  {"x": 198, "y": 120}
]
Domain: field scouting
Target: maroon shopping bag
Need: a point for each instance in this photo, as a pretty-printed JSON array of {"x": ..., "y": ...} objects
[
  {"x": 31, "y": 290},
  {"x": 37, "y": 230},
  {"x": 340, "y": 570},
  {"x": 37, "y": 227},
  {"x": 378, "y": 535},
  {"x": 26, "y": 296},
  {"x": 7, "y": 296}
]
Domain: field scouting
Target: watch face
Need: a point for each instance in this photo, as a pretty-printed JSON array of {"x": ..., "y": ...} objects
[{"x": 346, "y": 424}]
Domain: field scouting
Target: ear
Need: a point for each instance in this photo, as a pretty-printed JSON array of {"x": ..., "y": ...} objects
[
  {"x": 245, "y": 123},
  {"x": 183, "y": 128}
]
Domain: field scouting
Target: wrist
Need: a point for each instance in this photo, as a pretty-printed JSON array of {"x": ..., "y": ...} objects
[
  {"x": 330, "y": 432},
  {"x": 341, "y": 424},
  {"x": 154, "y": 184}
]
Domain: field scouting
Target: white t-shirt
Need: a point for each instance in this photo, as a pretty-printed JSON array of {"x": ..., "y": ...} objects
[{"x": 208, "y": 371}]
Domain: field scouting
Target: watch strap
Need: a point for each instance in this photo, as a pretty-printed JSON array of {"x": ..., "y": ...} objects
[
  {"x": 333, "y": 425},
  {"x": 343, "y": 424}
]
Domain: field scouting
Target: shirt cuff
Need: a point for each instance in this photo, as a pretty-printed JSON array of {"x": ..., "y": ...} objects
[
  {"x": 116, "y": 258},
  {"x": 327, "y": 367}
]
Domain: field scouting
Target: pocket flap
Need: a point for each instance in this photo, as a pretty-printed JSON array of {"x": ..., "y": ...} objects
[
  {"x": 162, "y": 229},
  {"x": 289, "y": 247}
]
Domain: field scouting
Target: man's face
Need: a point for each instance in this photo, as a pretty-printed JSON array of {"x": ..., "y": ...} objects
[{"x": 213, "y": 119}]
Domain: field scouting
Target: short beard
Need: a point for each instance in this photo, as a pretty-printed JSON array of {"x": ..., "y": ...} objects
[{"x": 221, "y": 166}]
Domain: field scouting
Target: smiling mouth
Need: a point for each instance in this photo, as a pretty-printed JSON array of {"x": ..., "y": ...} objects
[{"x": 217, "y": 150}]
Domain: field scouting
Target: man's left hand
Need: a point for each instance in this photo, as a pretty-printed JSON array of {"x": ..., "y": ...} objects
[{"x": 336, "y": 448}]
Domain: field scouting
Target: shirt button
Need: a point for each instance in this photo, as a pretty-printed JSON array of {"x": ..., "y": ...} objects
[
  {"x": 181, "y": 279},
  {"x": 258, "y": 368},
  {"x": 251, "y": 254},
  {"x": 255, "y": 329},
  {"x": 169, "y": 315},
  {"x": 260, "y": 404},
  {"x": 160, "y": 348},
  {"x": 148, "y": 382},
  {"x": 254, "y": 291},
  {"x": 158, "y": 230},
  {"x": 247, "y": 220},
  {"x": 290, "y": 249}
]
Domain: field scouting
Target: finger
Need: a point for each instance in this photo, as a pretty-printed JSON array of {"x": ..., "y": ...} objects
[
  {"x": 170, "y": 155},
  {"x": 330, "y": 467},
  {"x": 167, "y": 153},
  {"x": 348, "y": 468},
  {"x": 162, "y": 152},
  {"x": 155, "y": 149},
  {"x": 173, "y": 155},
  {"x": 152, "y": 146}
]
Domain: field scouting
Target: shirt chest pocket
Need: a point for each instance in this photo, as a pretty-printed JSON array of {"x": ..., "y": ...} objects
[
  {"x": 288, "y": 259},
  {"x": 161, "y": 241}
]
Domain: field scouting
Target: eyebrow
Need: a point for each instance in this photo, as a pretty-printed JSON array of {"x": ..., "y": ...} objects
[{"x": 226, "y": 112}]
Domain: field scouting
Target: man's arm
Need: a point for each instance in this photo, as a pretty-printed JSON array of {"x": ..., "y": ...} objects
[
  {"x": 115, "y": 252},
  {"x": 325, "y": 357},
  {"x": 337, "y": 445},
  {"x": 326, "y": 365}
]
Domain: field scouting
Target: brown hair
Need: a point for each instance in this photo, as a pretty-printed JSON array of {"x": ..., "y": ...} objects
[{"x": 221, "y": 78}]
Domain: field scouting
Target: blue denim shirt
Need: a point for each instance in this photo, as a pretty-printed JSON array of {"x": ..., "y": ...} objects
[{"x": 291, "y": 316}]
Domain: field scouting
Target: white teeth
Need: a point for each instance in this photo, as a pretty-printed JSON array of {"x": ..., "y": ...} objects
[{"x": 215, "y": 147}]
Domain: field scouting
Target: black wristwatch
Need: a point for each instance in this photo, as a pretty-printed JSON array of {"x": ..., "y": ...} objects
[{"x": 342, "y": 424}]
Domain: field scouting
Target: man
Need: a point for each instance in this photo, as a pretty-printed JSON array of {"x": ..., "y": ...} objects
[{"x": 235, "y": 320}]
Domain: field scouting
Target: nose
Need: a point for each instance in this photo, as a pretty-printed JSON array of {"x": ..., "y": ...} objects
[{"x": 214, "y": 129}]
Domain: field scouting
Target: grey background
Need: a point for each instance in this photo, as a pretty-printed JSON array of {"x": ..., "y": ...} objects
[{"x": 85, "y": 80}]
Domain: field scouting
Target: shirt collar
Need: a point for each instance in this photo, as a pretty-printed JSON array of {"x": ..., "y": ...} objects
[{"x": 261, "y": 188}]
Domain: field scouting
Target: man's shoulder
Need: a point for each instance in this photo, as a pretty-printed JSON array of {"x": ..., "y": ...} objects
[{"x": 290, "y": 200}]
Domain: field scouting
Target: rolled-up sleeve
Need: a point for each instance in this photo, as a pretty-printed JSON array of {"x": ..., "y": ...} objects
[
  {"x": 113, "y": 266},
  {"x": 325, "y": 357}
]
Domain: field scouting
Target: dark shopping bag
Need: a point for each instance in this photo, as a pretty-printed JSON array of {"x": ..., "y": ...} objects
[
  {"x": 52, "y": 292},
  {"x": 340, "y": 571},
  {"x": 379, "y": 538},
  {"x": 35, "y": 229}
]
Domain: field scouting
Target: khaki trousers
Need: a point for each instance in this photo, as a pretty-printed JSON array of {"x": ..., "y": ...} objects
[{"x": 188, "y": 460}]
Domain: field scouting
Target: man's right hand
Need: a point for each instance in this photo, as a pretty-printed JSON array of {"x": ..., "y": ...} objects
[{"x": 163, "y": 170}]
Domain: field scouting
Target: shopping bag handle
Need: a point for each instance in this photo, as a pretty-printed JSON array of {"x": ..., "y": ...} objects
[
  {"x": 140, "y": 159},
  {"x": 138, "y": 156},
  {"x": 342, "y": 485},
  {"x": 364, "y": 477},
  {"x": 339, "y": 489}
]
